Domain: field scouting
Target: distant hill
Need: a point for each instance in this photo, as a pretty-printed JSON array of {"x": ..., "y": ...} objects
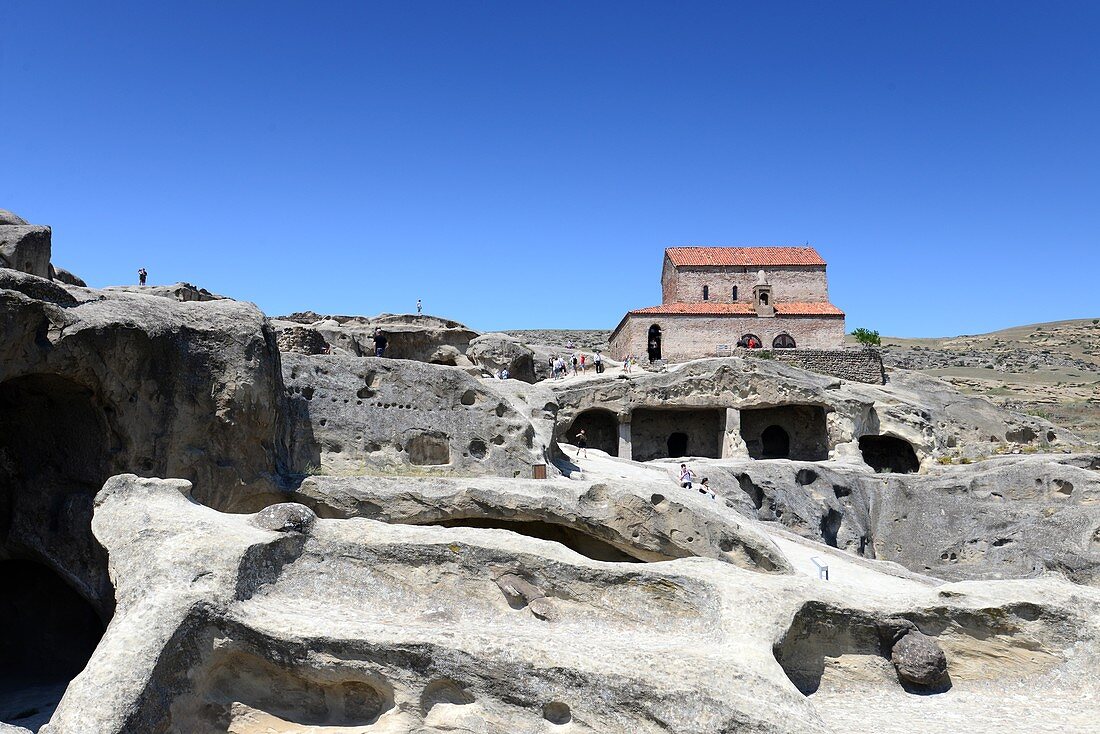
[{"x": 1050, "y": 370}]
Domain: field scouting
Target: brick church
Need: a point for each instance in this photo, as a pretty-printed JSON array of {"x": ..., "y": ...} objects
[{"x": 718, "y": 298}]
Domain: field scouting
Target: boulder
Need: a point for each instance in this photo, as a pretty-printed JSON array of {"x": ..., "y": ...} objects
[
  {"x": 64, "y": 276},
  {"x": 496, "y": 352},
  {"x": 285, "y": 517},
  {"x": 919, "y": 660},
  {"x": 10, "y": 218},
  {"x": 25, "y": 247}
]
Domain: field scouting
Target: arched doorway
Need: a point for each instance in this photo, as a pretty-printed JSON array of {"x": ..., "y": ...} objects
[
  {"x": 600, "y": 426},
  {"x": 775, "y": 443},
  {"x": 750, "y": 341},
  {"x": 783, "y": 341},
  {"x": 48, "y": 635},
  {"x": 677, "y": 445},
  {"x": 654, "y": 341}
]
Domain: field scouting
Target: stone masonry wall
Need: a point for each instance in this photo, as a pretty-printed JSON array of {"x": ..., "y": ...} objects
[
  {"x": 789, "y": 283},
  {"x": 685, "y": 336},
  {"x": 858, "y": 365}
]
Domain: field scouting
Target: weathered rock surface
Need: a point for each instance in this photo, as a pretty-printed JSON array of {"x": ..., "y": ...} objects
[
  {"x": 359, "y": 415},
  {"x": 1006, "y": 517},
  {"x": 421, "y": 338},
  {"x": 183, "y": 292},
  {"x": 223, "y": 626},
  {"x": 93, "y": 383},
  {"x": 10, "y": 218},
  {"x": 919, "y": 660}
]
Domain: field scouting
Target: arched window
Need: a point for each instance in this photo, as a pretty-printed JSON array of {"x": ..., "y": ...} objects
[
  {"x": 706, "y": 293},
  {"x": 783, "y": 341},
  {"x": 750, "y": 341}
]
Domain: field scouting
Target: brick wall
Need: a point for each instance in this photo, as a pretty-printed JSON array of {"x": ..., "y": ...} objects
[
  {"x": 685, "y": 336},
  {"x": 857, "y": 365},
  {"x": 789, "y": 283}
]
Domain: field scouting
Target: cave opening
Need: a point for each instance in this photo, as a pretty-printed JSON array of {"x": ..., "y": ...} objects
[
  {"x": 575, "y": 539},
  {"x": 55, "y": 455},
  {"x": 600, "y": 426},
  {"x": 889, "y": 454},
  {"x": 49, "y": 633}
]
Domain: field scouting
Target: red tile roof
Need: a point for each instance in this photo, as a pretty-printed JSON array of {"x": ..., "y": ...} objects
[
  {"x": 752, "y": 257},
  {"x": 740, "y": 309}
]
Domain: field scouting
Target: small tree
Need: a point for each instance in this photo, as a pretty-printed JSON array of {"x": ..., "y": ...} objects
[{"x": 867, "y": 338}]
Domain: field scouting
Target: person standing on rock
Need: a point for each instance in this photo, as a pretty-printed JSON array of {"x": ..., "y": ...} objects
[
  {"x": 685, "y": 476},
  {"x": 142, "y": 275},
  {"x": 419, "y": 307},
  {"x": 379, "y": 343},
  {"x": 573, "y": 359},
  {"x": 584, "y": 357},
  {"x": 598, "y": 361},
  {"x": 582, "y": 444}
]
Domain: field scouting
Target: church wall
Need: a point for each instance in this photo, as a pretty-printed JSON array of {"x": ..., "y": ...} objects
[
  {"x": 685, "y": 337},
  {"x": 789, "y": 283}
]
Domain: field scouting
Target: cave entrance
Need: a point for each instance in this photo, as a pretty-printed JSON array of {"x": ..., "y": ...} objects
[
  {"x": 49, "y": 633},
  {"x": 600, "y": 426},
  {"x": 670, "y": 433},
  {"x": 889, "y": 454},
  {"x": 55, "y": 450},
  {"x": 775, "y": 443},
  {"x": 677, "y": 445},
  {"x": 786, "y": 432}
]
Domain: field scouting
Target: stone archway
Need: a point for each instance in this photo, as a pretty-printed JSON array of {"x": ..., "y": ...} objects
[
  {"x": 775, "y": 443},
  {"x": 55, "y": 454},
  {"x": 600, "y": 426},
  {"x": 654, "y": 343}
]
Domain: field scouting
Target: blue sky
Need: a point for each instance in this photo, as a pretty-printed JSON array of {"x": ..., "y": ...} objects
[{"x": 523, "y": 165}]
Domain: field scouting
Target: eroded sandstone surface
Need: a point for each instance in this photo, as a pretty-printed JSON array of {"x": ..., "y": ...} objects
[{"x": 215, "y": 522}]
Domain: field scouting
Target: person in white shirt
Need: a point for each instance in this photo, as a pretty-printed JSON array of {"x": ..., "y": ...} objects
[{"x": 685, "y": 476}]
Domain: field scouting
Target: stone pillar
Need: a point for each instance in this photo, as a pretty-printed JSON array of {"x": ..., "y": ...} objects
[
  {"x": 733, "y": 446},
  {"x": 624, "y": 436}
]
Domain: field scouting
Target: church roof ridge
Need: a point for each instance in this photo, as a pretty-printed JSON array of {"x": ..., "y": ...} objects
[{"x": 743, "y": 256}]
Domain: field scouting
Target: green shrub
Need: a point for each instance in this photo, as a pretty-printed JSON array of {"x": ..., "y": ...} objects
[{"x": 867, "y": 337}]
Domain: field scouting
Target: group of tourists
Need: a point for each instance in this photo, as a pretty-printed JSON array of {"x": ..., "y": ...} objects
[{"x": 560, "y": 366}]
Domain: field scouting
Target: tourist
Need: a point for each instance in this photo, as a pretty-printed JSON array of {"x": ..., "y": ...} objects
[
  {"x": 598, "y": 361},
  {"x": 379, "y": 343},
  {"x": 419, "y": 307},
  {"x": 553, "y": 367},
  {"x": 685, "y": 476},
  {"x": 742, "y": 343},
  {"x": 573, "y": 360},
  {"x": 582, "y": 444},
  {"x": 142, "y": 275},
  {"x": 583, "y": 358},
  {"x": 704, "y": 488},
  {"x": 504, "y": 374}
]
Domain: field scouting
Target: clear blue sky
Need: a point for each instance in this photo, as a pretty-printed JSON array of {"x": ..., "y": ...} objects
[{"x": 523, "y": 165}]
